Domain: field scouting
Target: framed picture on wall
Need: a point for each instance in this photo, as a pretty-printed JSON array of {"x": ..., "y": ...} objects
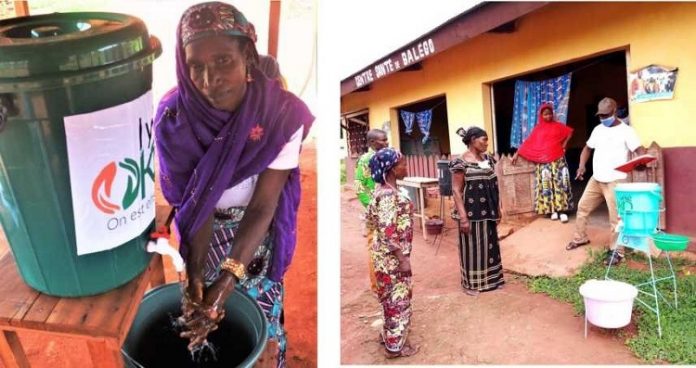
[{"x": 652, "y": 82}]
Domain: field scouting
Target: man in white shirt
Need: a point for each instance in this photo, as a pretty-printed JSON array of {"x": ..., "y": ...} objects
[{"x": 613, "y": 141}]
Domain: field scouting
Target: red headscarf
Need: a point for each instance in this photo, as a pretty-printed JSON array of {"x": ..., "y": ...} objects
[{"x": 545, "y": 144}]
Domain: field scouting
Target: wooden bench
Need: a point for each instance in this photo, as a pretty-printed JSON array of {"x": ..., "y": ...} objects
[{"x": 102, "y": 321}]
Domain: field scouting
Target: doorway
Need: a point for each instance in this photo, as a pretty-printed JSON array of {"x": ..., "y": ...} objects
[
  {"x": 354, "y": 127},
  {"x": 592, "y": 79},
  {"x": 412, "y": 144}
]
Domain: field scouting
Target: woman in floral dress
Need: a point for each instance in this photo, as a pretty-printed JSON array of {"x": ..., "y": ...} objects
[
  {"x": 389, "y": 215},
  {"x": 475, "y": 188}
]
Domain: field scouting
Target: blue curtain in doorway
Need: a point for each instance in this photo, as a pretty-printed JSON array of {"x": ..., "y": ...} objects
[
  {"x": 408, "y": 118},
  {"x": 424, "y": 120},
  {"x": 529, "y": 96}
]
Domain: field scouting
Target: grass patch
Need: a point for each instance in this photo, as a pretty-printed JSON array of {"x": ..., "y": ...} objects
[
  {"x": 343, "y": 171},
  {"x": 678, "y": 342}
]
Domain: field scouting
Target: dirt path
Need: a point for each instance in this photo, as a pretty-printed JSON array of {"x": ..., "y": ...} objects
[
  {"x": 509, "y": 326},
  {"x": 301, "y": 279}
]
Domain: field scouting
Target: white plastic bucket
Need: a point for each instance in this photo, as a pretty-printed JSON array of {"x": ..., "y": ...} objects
[{"x": 608, "y": 303}]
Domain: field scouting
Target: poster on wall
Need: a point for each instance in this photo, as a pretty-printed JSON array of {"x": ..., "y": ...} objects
[
  {"x": 112, "y": 179},
  {"x": 653, "y": 82}
]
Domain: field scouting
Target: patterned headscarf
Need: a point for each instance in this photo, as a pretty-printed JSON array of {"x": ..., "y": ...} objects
[
  {"x": 215, "y": 18},
  {"x": 382, "y": 162}
]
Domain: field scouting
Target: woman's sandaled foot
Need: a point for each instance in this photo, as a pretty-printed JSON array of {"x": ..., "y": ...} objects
[
  {"x": 574, "y": 244},
  {"x": 471, "y": 292},
  {"x": 406, "y": 351}
]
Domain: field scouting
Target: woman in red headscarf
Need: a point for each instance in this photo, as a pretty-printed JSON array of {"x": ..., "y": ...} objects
[{"x": 546, "y": 147}]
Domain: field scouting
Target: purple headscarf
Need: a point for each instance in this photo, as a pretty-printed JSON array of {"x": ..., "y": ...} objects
[{"x": 204, "y": 151}]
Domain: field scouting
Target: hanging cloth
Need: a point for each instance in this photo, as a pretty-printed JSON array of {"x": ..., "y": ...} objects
[
  {"x": 408, "y": 118},
  {"x": 529, "y": 97},
  {"x": 425, "y": 119}
]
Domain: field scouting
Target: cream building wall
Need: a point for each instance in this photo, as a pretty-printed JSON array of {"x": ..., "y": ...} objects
[{"x": 651, "y": 33}]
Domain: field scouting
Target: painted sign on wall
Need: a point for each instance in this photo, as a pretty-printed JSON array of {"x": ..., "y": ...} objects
[
  {"x": 111, "y": 158},
  {"x": 394, "y": 63}
]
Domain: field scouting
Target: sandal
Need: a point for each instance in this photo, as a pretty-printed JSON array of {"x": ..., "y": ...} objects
[
  {"x": 573, "y": 244},
  {"x": 613, "y": 259},
  {"x": 406, "y": 351}
]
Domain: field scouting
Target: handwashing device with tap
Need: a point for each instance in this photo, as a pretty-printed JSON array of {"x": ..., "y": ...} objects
[{"x": 160, "y": 243}]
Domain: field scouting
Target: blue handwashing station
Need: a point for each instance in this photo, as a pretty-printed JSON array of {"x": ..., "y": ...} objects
[{"x": 639, "y": 211}]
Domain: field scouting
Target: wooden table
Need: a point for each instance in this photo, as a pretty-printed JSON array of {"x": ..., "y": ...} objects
[
  {"x": 103, "y": 321},
  {"x": 421, "y": 184}
]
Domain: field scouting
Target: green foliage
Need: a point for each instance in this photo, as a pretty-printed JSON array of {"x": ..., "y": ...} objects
[{"x": 678, "y": 342}]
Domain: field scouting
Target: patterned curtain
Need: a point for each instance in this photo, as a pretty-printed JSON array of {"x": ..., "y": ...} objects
[
  {"x": 425, "y": 119},
  {"x": 408, "y": 118},
  {"x": 529, "y": 96}
]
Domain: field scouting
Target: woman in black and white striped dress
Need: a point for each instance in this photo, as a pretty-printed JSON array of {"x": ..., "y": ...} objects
[{"x": 475, "y": 187}]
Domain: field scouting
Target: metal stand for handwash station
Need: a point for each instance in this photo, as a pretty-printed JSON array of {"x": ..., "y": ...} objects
[{"x": 635, "y": 231}]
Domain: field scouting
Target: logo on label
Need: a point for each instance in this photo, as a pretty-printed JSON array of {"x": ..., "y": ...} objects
[
  {"x": 102, "y": 187},
  {"x": 103, "y": 193}
]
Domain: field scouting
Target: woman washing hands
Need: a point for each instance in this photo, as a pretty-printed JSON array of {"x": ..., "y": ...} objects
[{"x": 228, "y": 141}]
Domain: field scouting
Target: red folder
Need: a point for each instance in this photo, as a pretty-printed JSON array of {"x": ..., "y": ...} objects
[{"x": 640, "y": 160}]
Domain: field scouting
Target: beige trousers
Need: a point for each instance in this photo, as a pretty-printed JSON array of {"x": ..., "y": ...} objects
[{"x": 595, "y": 194}]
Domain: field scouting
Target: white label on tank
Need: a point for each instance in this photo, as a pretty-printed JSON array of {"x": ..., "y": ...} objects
[{"x": 111, "y": 155}]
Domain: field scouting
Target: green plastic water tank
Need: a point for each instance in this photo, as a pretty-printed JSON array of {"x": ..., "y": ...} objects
[{"x": 53, "y": 67}]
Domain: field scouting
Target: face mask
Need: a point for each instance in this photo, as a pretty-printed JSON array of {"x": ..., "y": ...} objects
[{"x": 608, "y": 121}]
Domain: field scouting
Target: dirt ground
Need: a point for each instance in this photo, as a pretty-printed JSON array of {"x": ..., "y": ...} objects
[
  {"x": 301, "y": 279},
  {"x": 508, "y": 326},
  {"x": 44, "y": 351}
]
